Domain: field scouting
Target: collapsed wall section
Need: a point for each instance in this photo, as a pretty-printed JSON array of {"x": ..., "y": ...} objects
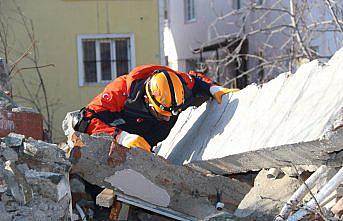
[{"x": 295, "y": 112}]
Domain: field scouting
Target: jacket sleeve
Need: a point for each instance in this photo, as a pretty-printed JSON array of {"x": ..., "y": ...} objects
[
  {"x": 112, "y": 99},
  {"x": 197, "y": 89}
]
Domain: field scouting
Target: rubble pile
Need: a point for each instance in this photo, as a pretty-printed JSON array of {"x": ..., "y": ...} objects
[
  {"x": 283, "y": 196},
  {"x": 34, "y": 180}
]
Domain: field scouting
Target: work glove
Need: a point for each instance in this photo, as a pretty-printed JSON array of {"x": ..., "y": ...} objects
[
  {"x": 132, "y": 140},
  {"x": 218, "y": 92}
]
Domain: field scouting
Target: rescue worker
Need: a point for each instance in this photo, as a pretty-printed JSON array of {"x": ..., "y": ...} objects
[{"x": 139, "y": 109}]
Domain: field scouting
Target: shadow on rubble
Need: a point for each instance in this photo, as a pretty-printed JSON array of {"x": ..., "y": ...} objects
[{"x": 192, "y": 146}]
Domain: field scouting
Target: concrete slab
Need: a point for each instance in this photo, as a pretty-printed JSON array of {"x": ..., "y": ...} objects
[
  {"x": 291, "y": 119},
  {"x": 153, "y": 180}
]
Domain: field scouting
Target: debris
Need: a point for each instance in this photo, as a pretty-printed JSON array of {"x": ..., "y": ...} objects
[
  {"x": 16, "y": 182},
  {"x": 115, "y": 211},
  {"x": 34, "y": 182},
  {"x": 274, "y": 173},
  {"x": 5, "y": 216},
  {"x": 338, "y": 208},
  {"x": 14, "y": 140},
  {"x": 76, "y": 185},
  {"x": 265, "y": 199},
  {"x": 8, "y": 153},
  {"x": 24, "y": 109},
  {"x": 105, "y": 198},
  {"x": 48, "y": 184},
  {"x": 189, "y": 191},
  {"x": 318, "y": 198},
  {"x": 300, "y": 193}
]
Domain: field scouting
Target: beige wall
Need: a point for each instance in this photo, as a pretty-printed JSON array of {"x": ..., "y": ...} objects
[{"x": 57, "y": 24}]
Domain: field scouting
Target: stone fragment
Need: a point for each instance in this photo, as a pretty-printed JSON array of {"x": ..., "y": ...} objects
[
  {"x": 6, "y": 197},
  {"x": 4, "y": 215},
  {"x": 17, "y": 184},
  {"x": 77, "y": 185},
  {"x": 75, "y": 217},
  {"x": 338, "y": 208},
  {"x": 24, "y": 109},
  {"x": 105, "y": 198},
  {"x": 50, "y": 185},
  {"x": 340, "y": 191},
  {"x": 274, "y": 173},
  {"x": 14, "y": 140},
  {"x": 3, "y": 185},
  {"x": 267, "y": 197},
  {"x": 297, "y": 170},
  {"x": 43, "y": 151},
  {"x": 8, "y": 153},
  {"x": 23, "y": 168}
]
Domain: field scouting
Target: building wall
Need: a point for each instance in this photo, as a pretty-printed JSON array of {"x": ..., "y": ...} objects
[
  {"x": 182, "y": 36},
  {"x": 57, "y": 24},
  {"x": 215, "y": 20}
]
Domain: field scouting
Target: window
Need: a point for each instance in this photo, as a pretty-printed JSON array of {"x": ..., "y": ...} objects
[
  {"x": 189, "y": 10},
  {"x": 104, "y": 57},
  {"x": 236, "y": 4}
]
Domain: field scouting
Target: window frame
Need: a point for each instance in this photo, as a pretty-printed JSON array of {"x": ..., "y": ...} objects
[
  {"x": 237, "y": 4},
  {"x": 103, "y": 38},
  {"x": 186, "y": 4}
]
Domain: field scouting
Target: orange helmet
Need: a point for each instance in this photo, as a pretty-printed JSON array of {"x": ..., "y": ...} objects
[{"x": 165, "y": 92}]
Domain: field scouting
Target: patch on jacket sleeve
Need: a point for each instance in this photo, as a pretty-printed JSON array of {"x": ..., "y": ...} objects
[{"x": 106, "y": 97}]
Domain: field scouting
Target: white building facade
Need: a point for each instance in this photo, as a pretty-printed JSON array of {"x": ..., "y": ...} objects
[{"x": 263, "y": 26}]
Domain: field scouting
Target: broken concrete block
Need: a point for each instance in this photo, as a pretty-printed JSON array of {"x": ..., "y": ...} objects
[
  {"x": 191, "y": 193},
  {"x": 274, "y": 173},
  {"x": 23, "y": 168},
  {"x": 43, "y": 151},
  {"x": 14, "y": 140},
  {"x": 4, "y": 215},
  {"x": 50, "y": 185},
  {"x": 339, "y": 191},
  {"x": 267, "y": 197},
  {"x": 17, "y": 184},
  {"x": 8, "y": 153},
  {"x": 105, "y": 198},
  {"x": 338, "y": 208},
  {"x": 77, "y": 185},
  {"x": 3, "y": 185}
]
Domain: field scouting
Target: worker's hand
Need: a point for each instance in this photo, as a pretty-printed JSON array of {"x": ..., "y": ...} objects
[
  {"x": 132, "y": 140},
  {"x": 74, "y": 154},
  {"x": 218, "y": 92}
]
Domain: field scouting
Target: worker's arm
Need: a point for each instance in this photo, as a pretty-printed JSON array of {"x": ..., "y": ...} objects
[
  {"x": 202, "y": 88},
  {"x": 111, "y": 101}
]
